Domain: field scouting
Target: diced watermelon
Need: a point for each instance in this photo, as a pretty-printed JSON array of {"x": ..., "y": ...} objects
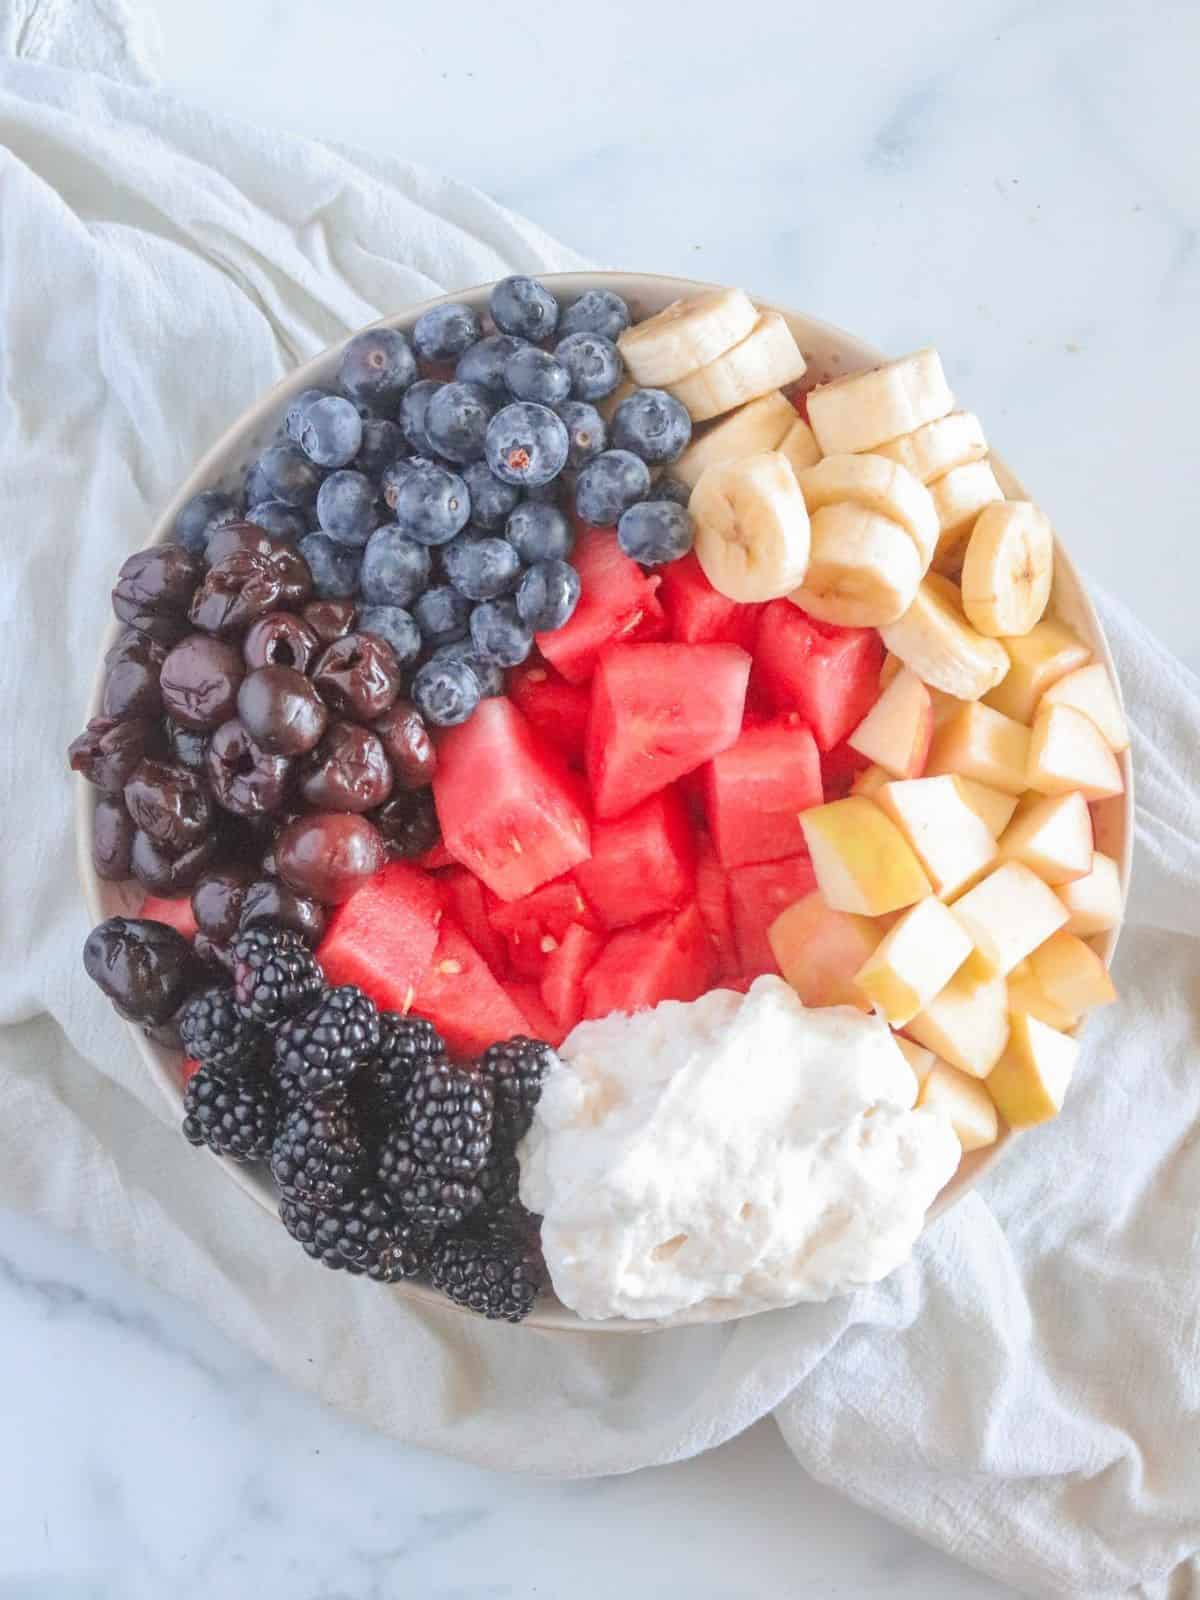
[
  {"x": 658, "y": 711},
  {"x": 617, "y": 602},
  {"x": 527, "y": 997},
  {"x": 435, "y": 858},
  {"x": 712, "y": 901},
  {"x": 467, "y": 902},
  {"x": 558, "y": 710},
  {"x": 461, "y": 996},
  {"x": 532, "y": 926},
  {"x": 508, "y": 808},
  {"x": 176, "y": 914},
  {"x": 383, "y": 937},
  {"x": 643, "y": 863},
  {"x": 754, "y": 793},
  {"x": 698, "y": 613},
  {"x": 757, "y": 895},
  {"x": 839, "y": 768},
  {"x": 562, "y": 985},
  {"x": 829, "y": 675},
  {"x": 187, "y": 1071},
  {"x": 670, "y": 958}
]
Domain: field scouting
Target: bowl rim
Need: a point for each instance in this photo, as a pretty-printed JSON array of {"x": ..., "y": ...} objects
[{"x": 216, "y": 464}]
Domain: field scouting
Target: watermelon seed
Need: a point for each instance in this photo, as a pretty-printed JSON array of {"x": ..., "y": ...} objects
[
  {"x": 450, "y": 968},
  {"x": 549, "y": 943}
]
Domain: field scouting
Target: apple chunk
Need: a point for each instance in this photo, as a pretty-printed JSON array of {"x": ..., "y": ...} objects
[
  {"x": 1090, "y": 690},
  {"x": 862, "y": 861},
  {"x": 967, "y": 1024},
  {"x": 1008, "y": 914},
  {"x": 869, "y": 781},
  {"x": 1067, "y": 751},
  {"x": 922, "y": 1061},
  {"x": 980, "y": 743},
  {"x": 1093, "y": 903},
  {"x": 914, "y": 961},
  {"x": 964, "y": 1102},
  {"x": 1029, "y": 1082},
  {"x": 1054, "y": 837},
  {"x": 1025, "y": 993},
  {"x": 896, "y": 732},
  {"x": 818, "y": 951},
  {"x": 992, "y": 805},
  {"x": 954, "y": 845},
  {"x": 1071, "y": 975},
  {"x": 1036, "y": 660}
]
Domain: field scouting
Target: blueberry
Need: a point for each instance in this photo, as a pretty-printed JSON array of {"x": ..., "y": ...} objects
[
  {"x": 491, "y": 498},
  {"x": 653, "y": 424},
  {"x": 293, "y": 417},
  {"x": 393, "y": 476},
  {"x": 382, "y": 442},
  {"x": 283, "y": 472},
  {"x": 526, "y": 443},
  {"x": 331, "y": 432},
  {"x": 498, "y": 633},
  {"x": 539, "y": 533},
  {"x": 609, "y": 485},
  {"x": 524, "y": 307},
  {"x": 655, "y": 531},
  {"x": 544, "y": 494},
  {"x": 547, "y": 595},
  {"x": 671, "y": 489},
  {"x": 432, "y": 504},
  {"x": 394, "y": 625},
  {"x": 594, "y": 363},
  {"x": 442, "y": 614},
  {"x": 481, "y": 568},
  {"x": 204, "y": 512},
  {"x": 412, "y": 414},
  {"x": 586, "y": 432},
  {"x": 456, "y": 420},
  {"x": 484, "y": 362},
  {"x": 490, "y": 676},
  {"x": 531, "y": 374},
  {"x": 376, "y": 368},
  {"x": 445, "y": 332},
  {"x": 445, "y": 692},
  {"x": 598, "y": 311},
  {"x": 347, "y": 508},
  {"x": 277, "y": 517},
  {"x": 334, "y": 566},
  {"x": 395, "y": 570}
]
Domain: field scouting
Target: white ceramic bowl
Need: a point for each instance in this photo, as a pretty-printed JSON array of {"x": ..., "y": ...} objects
[{"x": 829, "y": 353}]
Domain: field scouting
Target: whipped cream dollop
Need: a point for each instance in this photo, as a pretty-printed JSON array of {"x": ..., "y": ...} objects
[{"x": 737, "y": 1148}]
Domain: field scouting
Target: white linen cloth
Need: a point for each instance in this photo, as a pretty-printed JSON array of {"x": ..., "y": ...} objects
[{"x": 1024, "y": 1394}]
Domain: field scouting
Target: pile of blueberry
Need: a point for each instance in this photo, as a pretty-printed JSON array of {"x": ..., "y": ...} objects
[{"x": 432, "y": 485}]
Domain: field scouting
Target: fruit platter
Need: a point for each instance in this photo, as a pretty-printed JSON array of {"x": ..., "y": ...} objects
[{"x": 605, "y": 804}]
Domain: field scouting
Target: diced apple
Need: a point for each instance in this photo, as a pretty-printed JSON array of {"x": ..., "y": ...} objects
[
  {"x": 1008, "y": 914},
  {"x": 897, "y": 730},
  {"x": 1029, "y": 1082},
  {"x": 967, "y": 1024},
  {"x": 1038, "y": 659},
  {"x": 862, "y": 861},
  {"x": 992, "y": 805},
  {"x": 922, "y": 1061},
  {"x": 964, "y": 1102},
  {"x": 1093, "y": 903},
  {"x": 1067, "y": 751},
  {"x": 1053, "y": 836},
  {"x": 953, "y": 844},
  {"x": 1025, "y": 993},
  {"x": 981, "y": 743},
  {"x": 869, "y": 781},
  {"x": 1071, "y": 974},
  {"x": 914, "y": 961},
  {"x": 1090, "y": 690},
  {"x": 819, "y": 951}
]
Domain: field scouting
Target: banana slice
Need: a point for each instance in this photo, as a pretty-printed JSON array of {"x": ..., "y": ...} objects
[
  {"x": 687, "y": 335},
  {"x": 763, "y": 424},
  {"x": 752, "y": 536},
  {"x": 863, "y": 568},
  {"x": 866, "y": 409},
  {"x": 799, "y": 445},
  {"x": 1008, "y": 570},
  {"x": 934, "y": 638},
  {"x": 608, "y": 406},
  {"x": 960, "y": 495},
  {"x": 932, "y": 451},
  {"x": 767, "y": 358},
  {"x": 880, "y": 485}
]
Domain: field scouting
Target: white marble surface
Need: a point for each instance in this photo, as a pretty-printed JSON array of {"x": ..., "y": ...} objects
[{"x": 1012, "y": 182}]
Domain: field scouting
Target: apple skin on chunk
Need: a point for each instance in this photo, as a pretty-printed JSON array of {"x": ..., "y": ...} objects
[
  {"x": 1029, "y": 1082},
  {"x": 1094, "y": 904},
  {"x": 862, "y": 861},
  {"x": 819, "y": 951}
]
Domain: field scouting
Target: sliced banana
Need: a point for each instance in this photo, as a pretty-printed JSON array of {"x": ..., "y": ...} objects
[
  {"x": 932, "y": 451},
  {"x": 767, "y": 358},
  {"x": 880, "y": 485},
  {"x": 686, "y": 335},
  {"x": 608, "y": 406},
  {"x": 934, "y": 638},
  {"x": 762, "y": 424},
  {"x": 960, "y": 495},
  {"x": 863, "y": 568},
  {"x": 799, "y": 445},
  {"x": 1008, "y": 569},
  {"x": 866, "y": 409},
  {"x": 752, "y": 534}
]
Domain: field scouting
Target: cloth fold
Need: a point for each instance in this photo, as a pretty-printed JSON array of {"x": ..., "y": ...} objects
[{"x": 1024, "y": 1393}]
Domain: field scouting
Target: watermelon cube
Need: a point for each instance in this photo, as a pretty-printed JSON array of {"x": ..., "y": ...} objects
[
  {"x": 556, "y": 709},
  {"x": 712, "y": 901},
  {"x": 643, "y": 863},
  {"x": 617, "y": 602},
  {"x": 658, "y": 711},
  {"x": 384, "y": 936},
  {"x": 830, "y": 675},
  {"x": 839, "y": 768},
  {"x": 460, "y": 995},
  {"x": 757, "y": 895},
  {"x": 566, "y": 967},
  {"x": 527, "y": 997},
  {"x": 754, "y": 793},
  {"x": 468, "y": 903},
  {"x": 670, "y": 958},
  {"x": 699, "y": 614},
  {"x": 508, "y": 808},
  {"x": 176, "y": 914},
  {"x": 435, "y": 858},
  {"x": 532, "y": 926}
]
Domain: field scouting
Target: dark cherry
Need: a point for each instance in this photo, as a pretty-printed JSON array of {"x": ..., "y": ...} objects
[
  {"x": 107, "y": 751},
  {"x": 213, "y": 951},
  {"x": 236, "y": 592},
  {"x": 169, "y": 803},
  {"x": 348, "y": 771},
  {"x": 329, "y": 854},
  {"x": 268, "y": 900},
  {"x": 112, "y": 839},
  {"x": 245, "y": 779},
  {"x": 235, "y": 536},
  {"x": 131, "y": 683},
  {"x": 280, "y": 640},
  {"x": 358, "y": 676},
  {"x": 281, "y": 711},
  {"x": 243, "y": 538},
  {"x": 330, "y": 619},
  {"x": 145, "y": 968},
  {"x": 200, "y": 680},
  {"x": 164, "y": 873},
  {"x": 218, "y": 897},
  {"x": 408, "y": 823},
  {"x": 187, "y": 746},
  {"x": 408, "y": 746},
  {"x": 154, "y": 587},
  {"x": 164, "y": 1034}
]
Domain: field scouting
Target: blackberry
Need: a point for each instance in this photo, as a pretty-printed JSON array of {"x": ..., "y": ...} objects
[
  {"x": 499, "y": 1184},
  {"x": 215, "y": 1033},
  {"x": 428, "y": 1199},
  {"x": 274, "y": 974},
  {"x": 450, "y": 1112},
  {"x": 318, "y": 1151},
  {"x": 363, "y": 1235},
  {"x": 234, "y": 1114},
  {"x": 517, "y": 1069},
  {"x": 403, "y": 1042},
  {"x": 318, "y": 1050},
  {"x": 490, "y": 1271}
]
